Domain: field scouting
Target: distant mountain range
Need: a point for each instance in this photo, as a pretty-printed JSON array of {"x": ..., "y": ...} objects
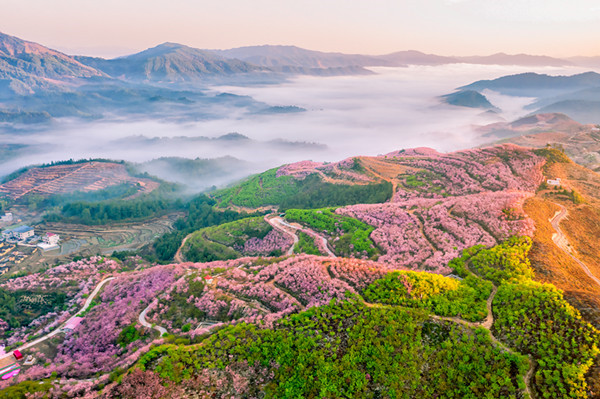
[
  {"x": 536, "y": 85},
  {"x": 169, "y": 62},
  {"x": 577, "y": 96},
  {"x": 38, "y": 83},
  {"x": 26, "y": 67},
  {"x": 277, "y": 56}
]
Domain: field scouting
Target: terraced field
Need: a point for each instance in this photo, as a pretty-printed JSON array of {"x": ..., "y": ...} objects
[
  {"x": 64, "y": 179},
  {"x": 113, "y": 238},
  {"x": 79, "y": 240}
]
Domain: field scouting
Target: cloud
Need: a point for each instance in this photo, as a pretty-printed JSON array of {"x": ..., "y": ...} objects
[{"x": 366, "y": 115}]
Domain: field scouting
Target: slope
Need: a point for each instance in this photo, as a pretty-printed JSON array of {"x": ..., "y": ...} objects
[
  {"x": 170, "y": 62},
  {"x": 27, "y": 67}
]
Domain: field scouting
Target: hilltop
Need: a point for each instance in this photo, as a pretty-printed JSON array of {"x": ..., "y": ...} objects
[
  {"x": 580, "y": 142},
  {"x": 576, "y": 95},
  {"x": 169, "y": 62},
  {"x": 27, "y": 67},
  {"x": 451, "y": 269}
]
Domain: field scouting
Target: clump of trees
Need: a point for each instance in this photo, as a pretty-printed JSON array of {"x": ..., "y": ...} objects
[
  {"x": 347, "y": 236},
  {"x": 344, "y": 350},
  {"x": 444, "y": 296},
  {"x": 312, "y": 192}
]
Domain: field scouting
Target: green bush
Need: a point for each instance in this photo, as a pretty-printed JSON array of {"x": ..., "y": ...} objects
[
  {"x": 350, "y": 350},
  {"x": 306, "y": 245},
  {"x": 347, "y": 236},
  {"x": 287, "y": 192},
  {"x": 506, "y": 261},
  {"x": 441, "y": 295},
  {"x": 534, "y": 318}
]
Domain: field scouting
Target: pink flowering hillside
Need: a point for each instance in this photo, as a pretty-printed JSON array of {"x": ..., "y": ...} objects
[
  {"x": 74, "y": 281},
  {"x": 245, "y": 237},
  {"x": 259, "y": 291},
  {"x": 346, "y": 171},
  {"x": 425, "y": 234},
  {"x": 445, "y": 203},
  {"x": 97, "y": 342},
  {"x": 437, "y": 175}
]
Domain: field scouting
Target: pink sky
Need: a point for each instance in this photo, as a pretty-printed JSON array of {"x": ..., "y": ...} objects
[{"x": 447, "y": 27}]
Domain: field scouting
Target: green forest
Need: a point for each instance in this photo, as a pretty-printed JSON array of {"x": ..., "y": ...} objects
[
  {"x": 201, "y": 212},
  {"x": 19, "y": 308},
  {"x": 351, "y": 350},
  {"x": 226, "y": 241},
  {"x": 409, "y": 334},
  {"x": 347, "y": 236},
  {"x": 306, "y": 245},
  {"x": 287, "y": 192}
]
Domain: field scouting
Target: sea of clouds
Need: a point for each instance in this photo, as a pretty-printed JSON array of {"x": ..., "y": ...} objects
[{"x": 392, "y": 109}]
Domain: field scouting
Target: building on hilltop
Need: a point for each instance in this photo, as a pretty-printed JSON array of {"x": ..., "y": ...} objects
[{"x": 553, "y": 182}]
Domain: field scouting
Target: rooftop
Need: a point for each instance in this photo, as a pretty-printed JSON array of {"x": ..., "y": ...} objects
[{"x": 22, "y": 229}]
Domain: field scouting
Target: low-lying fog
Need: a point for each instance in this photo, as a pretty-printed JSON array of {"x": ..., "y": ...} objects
[{"x": 363, "y": 115}]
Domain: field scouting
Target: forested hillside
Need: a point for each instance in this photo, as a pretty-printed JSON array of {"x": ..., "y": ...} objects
[{"x": 428, "y": 280}]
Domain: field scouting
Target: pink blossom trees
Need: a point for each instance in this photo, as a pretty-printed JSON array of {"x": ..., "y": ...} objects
[
  {"x": 274, "y": 240},
  {"x": 92, "y": 346},
  {"x": 428, "y": 233}
]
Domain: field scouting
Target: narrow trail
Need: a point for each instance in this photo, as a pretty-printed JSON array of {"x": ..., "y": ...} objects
[
  {"x": 324, "y": 244},
  {"x": 178, "y": 258},
  {"x": 142, "y": 316},
  {"x": 279, "y": 224},
  {"x": 487, "y": 324},
  {"x": 561, "y": 241},
  {"x": 144, "y": 322},
  {"x": 59, "y": 329}
]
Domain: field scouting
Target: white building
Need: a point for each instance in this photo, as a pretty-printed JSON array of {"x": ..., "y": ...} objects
[
  {"x": 7, "y": 217},
  {"x": 49, "y": 242},
  {"x": 553, "y": 182},
  {"x": 23, "y": 232},
  {"x": 51, "y": 239},
  {"x": 20, "y": 233}
]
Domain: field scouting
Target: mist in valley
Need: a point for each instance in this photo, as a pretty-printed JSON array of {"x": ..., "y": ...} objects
[{"x": 345, "y": 116}]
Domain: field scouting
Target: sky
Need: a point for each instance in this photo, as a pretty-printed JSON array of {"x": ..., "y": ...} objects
[{"x": 109, "y": 28}]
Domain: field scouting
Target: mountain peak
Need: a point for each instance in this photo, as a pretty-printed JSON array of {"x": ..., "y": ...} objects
[
  {"x": 29, "y": 66},
  {"x": 11, "y": 46}
]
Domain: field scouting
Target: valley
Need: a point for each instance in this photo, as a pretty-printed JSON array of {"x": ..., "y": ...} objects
[
  {"x": 276, "y": 222},
  {"x": 454, "y": 246}
]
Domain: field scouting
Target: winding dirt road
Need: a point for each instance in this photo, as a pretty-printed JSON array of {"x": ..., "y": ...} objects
[
  {"x": 279, "y": 224},
  {"x": 487, "y": 324},
  {"x": 561, "y": 241},
  {"x": 144, "y": 322},
  {"x": 289, "y": 229},
  {"x": 59, "y": 329},
  {"x": 178, "y": 258}
]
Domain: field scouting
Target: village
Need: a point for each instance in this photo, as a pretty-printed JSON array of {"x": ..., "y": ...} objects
[{"x": 19, "y": 242}]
